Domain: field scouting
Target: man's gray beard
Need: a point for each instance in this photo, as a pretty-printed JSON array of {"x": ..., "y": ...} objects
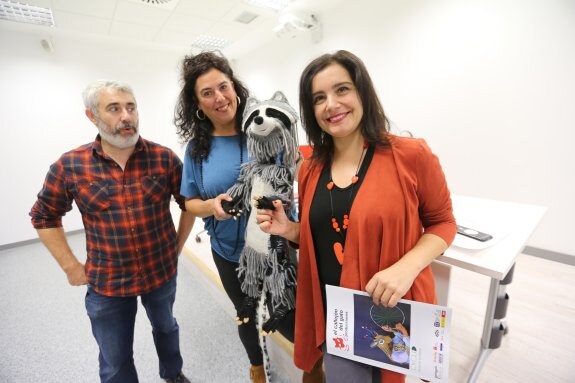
[{"x": 117, "y": 140}]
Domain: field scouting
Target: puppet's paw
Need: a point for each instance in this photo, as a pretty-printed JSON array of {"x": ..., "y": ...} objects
[
  {"x": 272, "y": 324},
  {"x": 232, "y": 207},
  {"x": 263, "y": 202},
  {"x": 247, "y": 311}
]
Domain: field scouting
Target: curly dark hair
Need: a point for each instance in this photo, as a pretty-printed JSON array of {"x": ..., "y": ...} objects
[
  {"x": 189, "y": 126},
  {"x": 374, "y": 124}
]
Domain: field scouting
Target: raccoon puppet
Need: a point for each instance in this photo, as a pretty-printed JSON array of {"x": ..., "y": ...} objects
[{"x": 267, "y": 268}]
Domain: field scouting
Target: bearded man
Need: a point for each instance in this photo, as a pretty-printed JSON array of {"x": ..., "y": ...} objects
[{"x": 122, "y": 184}]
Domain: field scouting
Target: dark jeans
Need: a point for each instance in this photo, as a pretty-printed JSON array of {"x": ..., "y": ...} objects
[
  {"x": 248, "y": 332},
  {"x": 113, "y": 320}
]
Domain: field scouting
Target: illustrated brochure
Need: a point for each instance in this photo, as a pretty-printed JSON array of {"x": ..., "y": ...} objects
[{"x": 411, "y": 338}]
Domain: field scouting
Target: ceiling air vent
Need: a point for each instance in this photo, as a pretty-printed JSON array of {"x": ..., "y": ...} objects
[
  {"x": 246, "y": 17},
  {"x": 164, "y": 4},
  {"x": 156, "y": 2}
]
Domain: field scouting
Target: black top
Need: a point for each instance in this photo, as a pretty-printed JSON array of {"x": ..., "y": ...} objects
[{"x": 323, "y": 234}]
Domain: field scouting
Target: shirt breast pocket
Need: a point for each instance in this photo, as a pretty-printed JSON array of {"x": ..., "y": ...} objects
[
  {"x": 92, "y": 196},
  {"x": 155, "y": 188}
]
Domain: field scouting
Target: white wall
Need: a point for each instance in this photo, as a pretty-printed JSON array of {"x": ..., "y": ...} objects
[
  {"x": 42, "y": 114},
  {"x": 489, "y": 83}
]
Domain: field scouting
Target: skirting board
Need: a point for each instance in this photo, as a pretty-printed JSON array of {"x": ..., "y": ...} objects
[
  {"x": 550, "y": 255},
  {"x": 34, "y": 240},
  {"x": 529, "y": 250}
]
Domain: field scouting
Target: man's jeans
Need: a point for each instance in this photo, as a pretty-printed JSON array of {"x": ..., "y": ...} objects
[{"x": 113, "y": 321}]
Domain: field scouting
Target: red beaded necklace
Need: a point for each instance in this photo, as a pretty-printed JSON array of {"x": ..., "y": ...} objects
[{"x": 337, "y": 246}]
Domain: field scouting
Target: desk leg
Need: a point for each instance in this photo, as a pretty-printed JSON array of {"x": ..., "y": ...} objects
[
  {"x": 493, "y": 327},
  {"x": 442, "y": 275}
]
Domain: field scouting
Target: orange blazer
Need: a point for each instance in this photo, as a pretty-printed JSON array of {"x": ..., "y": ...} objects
[{"x": 403, "y": 195}]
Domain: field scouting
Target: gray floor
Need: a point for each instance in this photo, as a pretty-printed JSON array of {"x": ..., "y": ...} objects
[{"x": 45, "y": 334}]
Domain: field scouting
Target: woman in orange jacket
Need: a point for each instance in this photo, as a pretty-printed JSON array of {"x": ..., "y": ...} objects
[{"x": 375, "y": 209}]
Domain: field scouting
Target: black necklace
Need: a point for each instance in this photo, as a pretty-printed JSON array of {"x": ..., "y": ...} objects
[
  {"x": 342, "y": 231},
  {"x": 214, "y": 218}
]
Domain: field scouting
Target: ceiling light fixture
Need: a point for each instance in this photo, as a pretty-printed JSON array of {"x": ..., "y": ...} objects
[
  {"x": 206, "y": 42},
  {"x": 276, "y": 5},
  {"x": 24, "y": 13}
]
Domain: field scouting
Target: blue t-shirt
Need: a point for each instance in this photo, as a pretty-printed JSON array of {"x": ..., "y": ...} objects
[{"x": 218, "y": 173}]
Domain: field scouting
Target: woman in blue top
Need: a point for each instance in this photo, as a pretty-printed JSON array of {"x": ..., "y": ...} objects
[{"x": 209, "y": 117}]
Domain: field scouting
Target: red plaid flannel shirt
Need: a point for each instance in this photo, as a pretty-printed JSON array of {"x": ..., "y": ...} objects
[{"x": 130, "y": 234}]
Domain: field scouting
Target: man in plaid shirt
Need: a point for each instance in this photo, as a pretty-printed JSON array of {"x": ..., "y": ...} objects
[{"x": 122, "y": 184}]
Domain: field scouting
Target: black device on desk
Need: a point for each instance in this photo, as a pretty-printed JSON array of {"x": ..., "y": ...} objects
[{"x": 472, "y": 233}]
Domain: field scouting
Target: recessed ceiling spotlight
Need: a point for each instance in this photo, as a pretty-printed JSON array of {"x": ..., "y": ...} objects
[{"x": 24, "y": 13}]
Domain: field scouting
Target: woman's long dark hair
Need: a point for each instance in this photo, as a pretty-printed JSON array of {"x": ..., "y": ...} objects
[
  {"x": 189, "y": 126},
  {"x": 374, "y": 124}
]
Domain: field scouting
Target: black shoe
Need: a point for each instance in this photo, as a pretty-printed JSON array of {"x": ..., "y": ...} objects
[{"x": 181, "y": 378}]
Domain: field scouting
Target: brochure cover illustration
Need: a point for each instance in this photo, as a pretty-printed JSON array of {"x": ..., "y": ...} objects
[{"x": 411, "y": 338}]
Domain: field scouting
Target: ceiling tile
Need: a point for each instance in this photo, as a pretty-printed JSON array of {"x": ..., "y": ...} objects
[
  {"x": 185, "y": 23},
  {"x": 133, "y": 31},
  {"x": 142, "y": 14},
  {"x": 100, "y": 8},
  {"x": 80, "y": 23},
  {"x": 211, "y": 10},
  {"x": 176, "y": 38},
  {"x": 228, "y": 30}
]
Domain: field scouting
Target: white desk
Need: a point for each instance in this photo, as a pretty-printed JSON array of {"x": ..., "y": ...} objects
[{"x": 511, "y": 225}]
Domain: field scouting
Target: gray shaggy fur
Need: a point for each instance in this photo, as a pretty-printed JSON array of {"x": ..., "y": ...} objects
[{"x": 267, "y": 263}]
